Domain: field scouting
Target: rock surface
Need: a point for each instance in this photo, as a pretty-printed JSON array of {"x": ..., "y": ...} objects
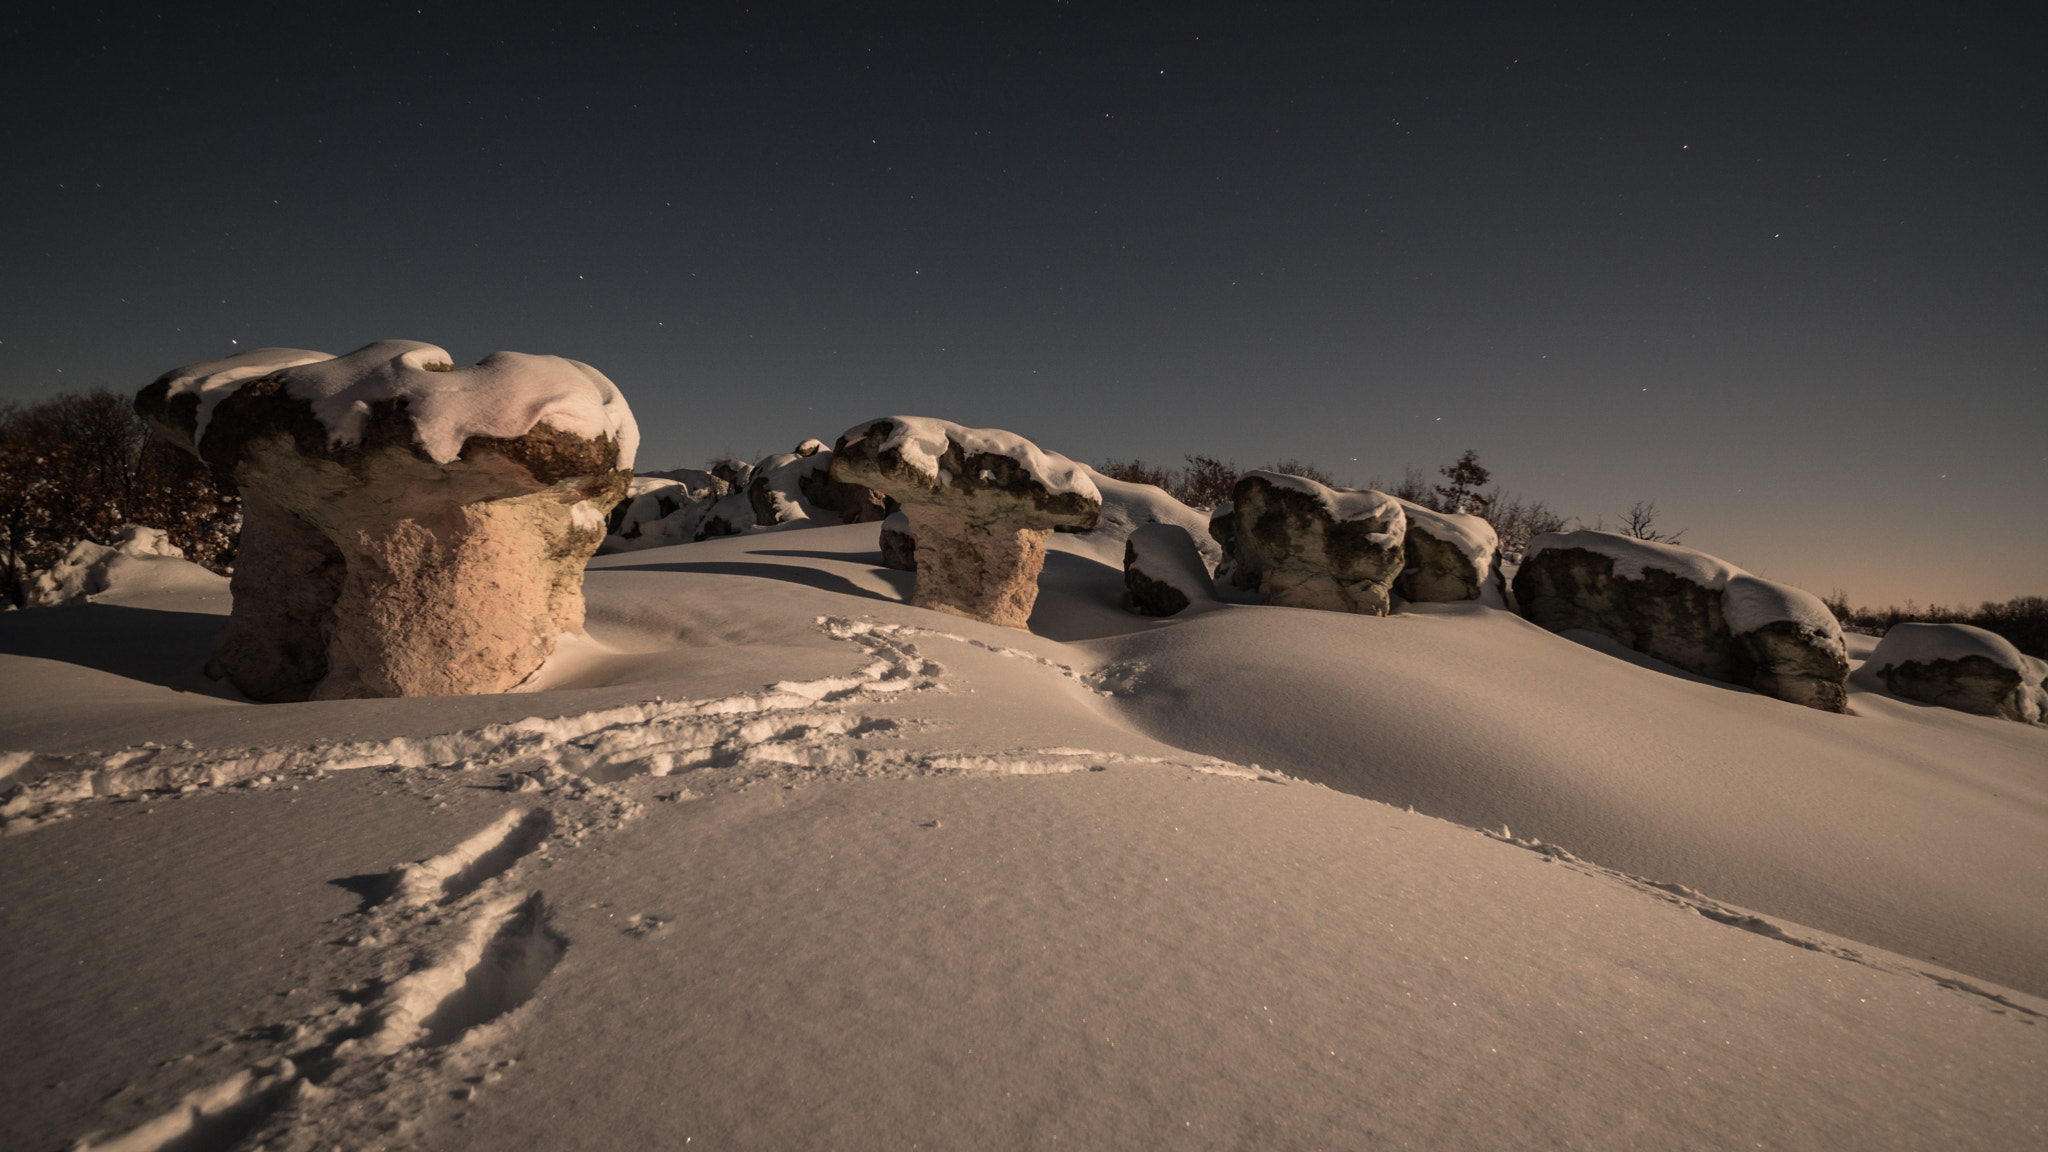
[
  {"x": 661, "y": 509},
  {"x": 1688, "y": 609},
  {"x": 979, "y": 503},
  {"x": 1305, "y": 545},
  {"x": 899, "y": 547},
  {"x": 1164, "y": 571},
  {"x": 410, "y": 528},
  {"x": 1963, "y": 667}
]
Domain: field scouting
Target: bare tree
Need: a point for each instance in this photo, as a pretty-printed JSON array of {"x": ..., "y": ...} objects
[{"x": 1640, "y": 521}]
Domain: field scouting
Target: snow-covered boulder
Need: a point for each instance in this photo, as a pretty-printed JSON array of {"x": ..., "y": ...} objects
[
  {"x": 1164, "y": 570},
  {"x": 139, "y": 558},
  {"x": 1688, "y": 609},
  {"x": 1446, "y": 555},
  {"x": 1962, "y": 667},
  {"x": 1305, "y": 545},
  {"x": 794, "y": 488},
  {"x": 411, "y": 528},
  {"x": 1126, "y": 507},
  {"x": 899, "y": 547},
  {"x": 662, "y": 508},
  {"x": 979, "y": 502}
]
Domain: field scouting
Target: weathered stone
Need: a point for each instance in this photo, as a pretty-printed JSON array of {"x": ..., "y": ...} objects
[
  {"x": 1447, "y": 556},
  {"x": 1962, "y": 667},
  {"x": 1163, "y": 570},
  {"x": 979, "y": 503},
  {"x": 1690, "y": 610},
  {"x": 899, "y": 547},
  {"x": 412, "y": 529},
  {"x": 1305, "y": 545}
]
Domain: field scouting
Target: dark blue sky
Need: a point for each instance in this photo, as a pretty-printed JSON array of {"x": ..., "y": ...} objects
[{"x": 1780, "y": 270}]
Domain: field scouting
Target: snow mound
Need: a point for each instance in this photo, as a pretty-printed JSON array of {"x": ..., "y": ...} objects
[
  {"x": 140, "y": 560},
  {"x": 501, "y": 397},
  {"x": 921, "y": 440}
]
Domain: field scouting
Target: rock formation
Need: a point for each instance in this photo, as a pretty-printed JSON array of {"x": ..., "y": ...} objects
[
  {"x": 1688, "y": 609},
  {"x": 661, "y": 509},
  {"x": 1163, "y": 570},
  {"x": 410, "y": 528},
  {"x": 1446, "y": 555},
  {"x": 979, "y": 503},
  {"x": 1962, "y": 667},
  {"x": 1304, "y": 545}
]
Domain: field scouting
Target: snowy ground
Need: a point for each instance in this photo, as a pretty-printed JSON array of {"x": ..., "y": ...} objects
[{"x": 778, "y": 861}]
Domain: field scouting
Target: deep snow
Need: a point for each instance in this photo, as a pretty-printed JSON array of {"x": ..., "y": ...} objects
[{"x": 776, "y": 860}]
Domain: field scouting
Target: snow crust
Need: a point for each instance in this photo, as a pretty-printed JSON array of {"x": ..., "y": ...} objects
[
  {"x": 1441, "y": 875},
  {"x": 1632, "y": 556},
  {"x": 502, "y": 396},
  {"x": 922, "y": 441},
  {"x": 1926, "y": 643},
  {"x": 1749, "y": 603}
]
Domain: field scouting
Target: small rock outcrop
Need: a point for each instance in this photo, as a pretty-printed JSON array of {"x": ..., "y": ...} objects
[
  {"x": 661, "y": 509},
  {"x": 138, "y": 556},
  {"x": 1962, "y": 667},
  {"x": 789, "y": 488},
  {"x": 1447, "y": 556},
  {"x": 1163, "y": 570},
  {"x": 899, "y": 547},
  {"x": 1306, "y": 545},
  {"x": 410, "y": 528},
  {"x": 979, "y": 503},
  {"x": 1688, "y": 609}
]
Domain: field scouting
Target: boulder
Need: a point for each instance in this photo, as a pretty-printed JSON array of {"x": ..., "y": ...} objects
[
  {"x": 410, "y": 528},
  {"x": 899, "y": 547},
  {"x": 1306, "y": 545},
  {"x": 662, "y": 508},
  {"x": 1447, "y": 556},
  {"x": 979, "y": 502},
  {"x": 1962, "y": 667},
  {"x": 1688, "y": 609},
  {"x": 1164, "y": 571}
]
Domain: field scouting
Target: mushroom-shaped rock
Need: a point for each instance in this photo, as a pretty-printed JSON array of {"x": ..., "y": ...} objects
[
  {"x": 1306, "y": 545},
  {"x": 1164, "y": 571},
  {"x": 1962, "y": 667},
  {"x": 979, "y": 503},
  {"x": 410, "y": 528},
  {"x": 1688, "y": 609},
  {"x": 1447, "y": 555}
]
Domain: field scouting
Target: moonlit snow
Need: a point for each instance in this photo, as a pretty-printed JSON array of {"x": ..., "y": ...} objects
[{"x": 775, "y": 860}]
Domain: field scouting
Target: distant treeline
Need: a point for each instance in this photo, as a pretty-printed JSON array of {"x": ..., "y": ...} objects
[
  {"x": 77, "y": 467},
  {"x": 2022, "y": 619}
]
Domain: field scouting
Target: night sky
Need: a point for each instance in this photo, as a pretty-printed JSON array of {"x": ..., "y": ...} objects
[{"x": 1782, "y": 271}]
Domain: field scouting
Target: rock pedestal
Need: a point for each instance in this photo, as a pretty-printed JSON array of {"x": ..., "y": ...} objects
[
  {"x": 979, "y": 504},
  {"x": 411, "y": 529}
]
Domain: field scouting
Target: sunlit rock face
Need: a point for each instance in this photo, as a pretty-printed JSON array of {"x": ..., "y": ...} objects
[
  {"x": 1962, "y": 667},
  {"x": 1305, "y": 545},
  {"x": 410, "y": 528},
  {"x": 1688, "y": 609},
  {"x": 1163, "y": 571},
  {"x": 978, "y": 503}
]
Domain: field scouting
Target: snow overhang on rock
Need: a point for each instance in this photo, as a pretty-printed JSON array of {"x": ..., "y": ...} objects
[
  {"x": 503, "y": 397},
  {"x": 993, "y": 472}
]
